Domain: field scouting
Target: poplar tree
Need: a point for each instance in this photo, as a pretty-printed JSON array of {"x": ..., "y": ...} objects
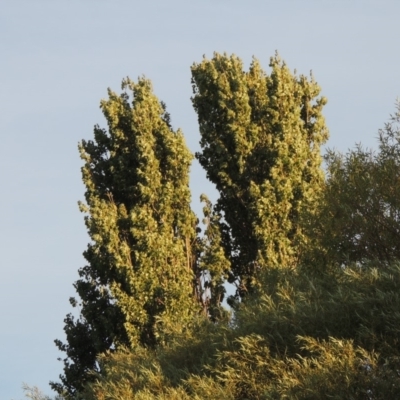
[
  {"x": 212, "y": 264},
  {"x": 138, "y": 285},
  {"x": 260, "y": 137}
]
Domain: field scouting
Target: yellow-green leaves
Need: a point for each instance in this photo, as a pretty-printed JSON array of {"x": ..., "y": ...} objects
[
  {"x": 334, "y": 336},
  {"x": 147, "y": 272},
  {"x": 138, "y": 285},
  {"x": 260, "y": 138}
]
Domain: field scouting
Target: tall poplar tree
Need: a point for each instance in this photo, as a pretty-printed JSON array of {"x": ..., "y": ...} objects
[
  {"x": 260, "y": 137},
  {"x": 139, "y": 284}
]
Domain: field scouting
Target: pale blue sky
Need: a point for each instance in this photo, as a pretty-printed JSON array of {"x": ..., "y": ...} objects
[{"x": 57, "y": 59}]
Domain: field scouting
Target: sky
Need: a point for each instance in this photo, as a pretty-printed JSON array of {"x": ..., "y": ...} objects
[{"x": 58, "y": 57}]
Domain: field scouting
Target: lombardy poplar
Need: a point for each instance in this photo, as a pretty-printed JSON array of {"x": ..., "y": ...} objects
[
  {"x": 148, "y": 273},
  {"x": 260, "y": 137},
  {"x": 138, "y": 285}
]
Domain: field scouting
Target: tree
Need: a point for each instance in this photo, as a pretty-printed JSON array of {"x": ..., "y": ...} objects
[
  {"x": 298, "y": 334},
  {"x": 260, "y": 137},
  {"x": 296, "y": 337},
  {"x": 34, "y": 393},
  {"x": 139, "y": 282},
  {"x": 359, "y": 215},
  {"x": 212, "y": 264}
]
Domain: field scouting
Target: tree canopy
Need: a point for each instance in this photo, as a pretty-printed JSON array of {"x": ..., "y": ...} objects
[
  {"x": 260, "y": 137},
  {"x": 138, "y": 285},
  {"x": 314, "y": 257}
]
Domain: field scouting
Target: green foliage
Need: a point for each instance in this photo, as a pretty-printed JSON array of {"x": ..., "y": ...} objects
[
  {"x": 359, "y": 217},
  {"x": 332, "y": 336},
  {"x": 138, "y": 285},
  {"x": 213, "y": 263},
  {"x": 316, "y": 263},
  {"x": 260, "y": 139},
  {"x": 150, "y": 373}
]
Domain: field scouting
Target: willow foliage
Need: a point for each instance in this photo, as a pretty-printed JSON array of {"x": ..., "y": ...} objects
[{"x": 332, "y": 336}]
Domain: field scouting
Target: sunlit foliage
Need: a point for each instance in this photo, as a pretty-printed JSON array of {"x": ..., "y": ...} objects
[
  {"x": 315, "y": 260},
  {"x": 139, "y": 282},
  {"x": 260, "y": 137}
]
